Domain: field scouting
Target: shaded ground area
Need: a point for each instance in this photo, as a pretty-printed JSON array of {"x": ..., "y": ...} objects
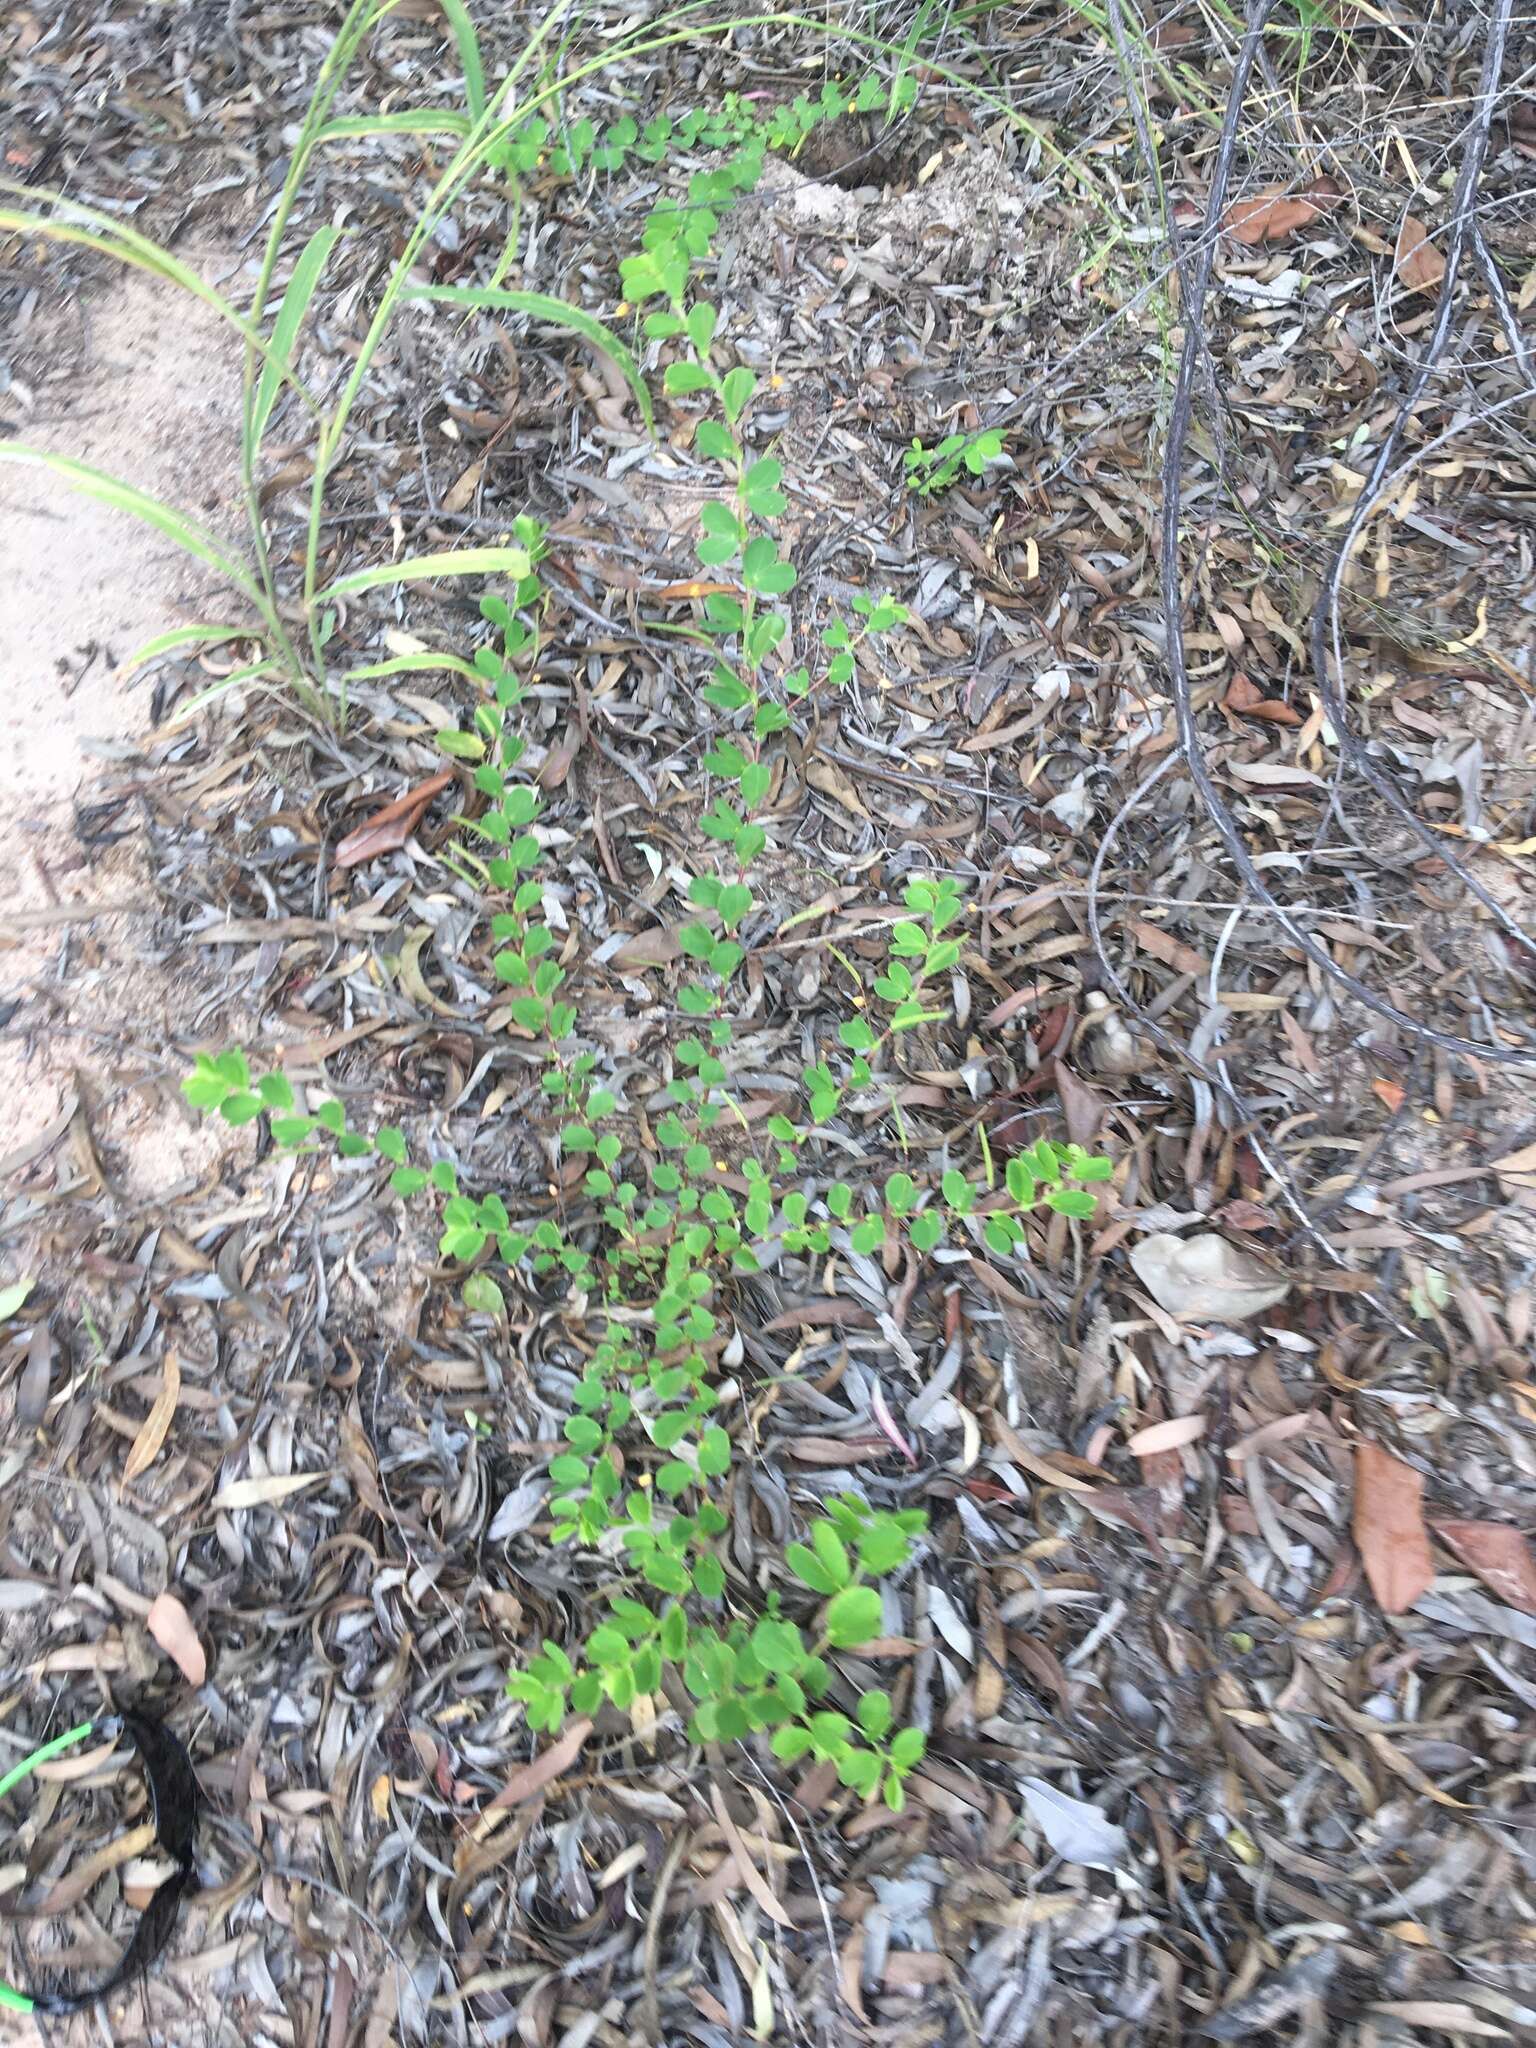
[{"x": 1158, "y": 1557}]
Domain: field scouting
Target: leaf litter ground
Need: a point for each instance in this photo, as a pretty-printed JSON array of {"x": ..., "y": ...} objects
[{"x": 1225, "y": 1635}]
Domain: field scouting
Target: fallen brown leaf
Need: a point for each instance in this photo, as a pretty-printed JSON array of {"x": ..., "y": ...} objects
[
  {"x": 1523, "y": 1161},
  {"x": 1170, "y": 1435},
  {"x": 658, "y": 946},
  {"x": 1245, "y": 697},
  {"x": 358, "y": 1458},
  {"x": 748, "y": 1871},
  {"x": 1389, "y": 1528},
  {"x": 556, "y": 765},
  {"x": 1419, "y": 262},
  {"x": 1500, "y": 1555},
  {"x": 1162, "y": 945},
  {"x": 1245, "y": 1215},
  {"x": 552, "y": 1764},
  {"x": 821, "y": 1315},
  {"x": 171, "y": 1626},
  {"x": 834, "y": 783},
  {"x": 145, "y": 1447},
  {"x": 389, "y": 828},
  {"x": 81, "y": 1880},
  {"x": 464, "y": 486},
  {"x": 1082, "y": 1107},
  {"x": 826, "y": 1450},
  {"x": 1271, "y": 215}
]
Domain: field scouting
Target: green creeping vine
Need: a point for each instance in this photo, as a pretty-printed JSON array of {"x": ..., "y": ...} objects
[
  {"x": 931, "y": 470},
  {"x": 666, "y": 1222},
  {"x": 566, "y": 150}
]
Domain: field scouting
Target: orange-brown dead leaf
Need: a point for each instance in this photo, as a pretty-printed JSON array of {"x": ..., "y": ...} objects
[
  {"x": 1389, "y": 1528},
  {"x": 674, "y": 593},
  {"x": 1164, "y": 946},
  {"x": 82, "y": 1879},
  {"x": 1245, "y": 696},
  {"x": 1271, "y": 215},
  {"x": 553, "y": 1763},
  {"x": 390, "y": 828},
  {"x": 145, "y": 1447},
  {"x": 1419, "y": 262},
  {"x": 556, "y": 765},
  {"x": 1392, "y": 1093},
  {"x": 171, "y": 1626},
  {"x": 1500, "y": 1556}
]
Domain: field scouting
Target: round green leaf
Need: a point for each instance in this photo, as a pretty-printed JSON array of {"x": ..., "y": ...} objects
[
  {"x": 853, "y": 1617},
  {"x": 714, "y": 1452}
]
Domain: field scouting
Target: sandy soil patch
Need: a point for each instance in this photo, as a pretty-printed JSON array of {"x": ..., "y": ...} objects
[{"x": 148, "y": 391}]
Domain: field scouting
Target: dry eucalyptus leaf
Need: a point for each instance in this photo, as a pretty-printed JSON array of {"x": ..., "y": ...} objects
[
  {"x": 1420, "y": 262},
  {"x": 1205, "y": 1277},
  {"x": 1389, "y": 1528},
  {"x": 1499, "y": 1554},
  {"x": 1275, "y": 213},
  {"x": 171, "y": 1626},
  {"x": 1075, "y": 1830},
  {"x": 550, "y": 1764},
  {"x": 392, "y": 826},
  {"x": 262, "y": 1493},
  {"x": 145, "y": 1447},
  {"x": 656, "y": 946},
  {"x": 32, "y": 1394}
]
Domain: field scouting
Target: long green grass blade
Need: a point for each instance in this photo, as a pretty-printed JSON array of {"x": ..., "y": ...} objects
[
  {"x": 126, "y": 497},
  {"x": 406, "y": 121},
  {"x": 540, "y": 306},
  {"x": 422, "y": 664},
  {"x": 91, "y": 230},
  {"x": 240, "y": 676},
  {"x": 469, "y": 55},
  {"x": 512, "y": 562},
  {"x": 285, "y": 330},
  {"x": 180, "y": 636}
]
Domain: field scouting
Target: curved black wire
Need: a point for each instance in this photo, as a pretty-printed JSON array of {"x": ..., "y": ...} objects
[{"x": 174, "y": 1800}]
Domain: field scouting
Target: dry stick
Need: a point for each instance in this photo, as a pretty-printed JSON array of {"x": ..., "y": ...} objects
[
  {"x": 1193, "y": 754},
  {"x": 1216, "y": 1079},
  {"x": 810, "y": 1864},
  {"x": 650, "y": 2004},
  {"x": 1499, "y": 293},
  {"x": 1465, "y": 235},
  {"x": 1218, "y": 1082}
]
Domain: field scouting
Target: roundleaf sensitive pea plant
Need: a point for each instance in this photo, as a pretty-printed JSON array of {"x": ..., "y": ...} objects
[
  {"x": 663, "y": 1226},
  {"x": 931, "y": 470}
]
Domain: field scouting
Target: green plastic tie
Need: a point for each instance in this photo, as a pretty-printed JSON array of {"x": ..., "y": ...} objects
[
  {"x": 10, "y": 2000},
  {"x": 49, "y": 1750}
]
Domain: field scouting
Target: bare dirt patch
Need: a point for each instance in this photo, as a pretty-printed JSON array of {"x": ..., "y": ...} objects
[{"x": 142, "y": 385}]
